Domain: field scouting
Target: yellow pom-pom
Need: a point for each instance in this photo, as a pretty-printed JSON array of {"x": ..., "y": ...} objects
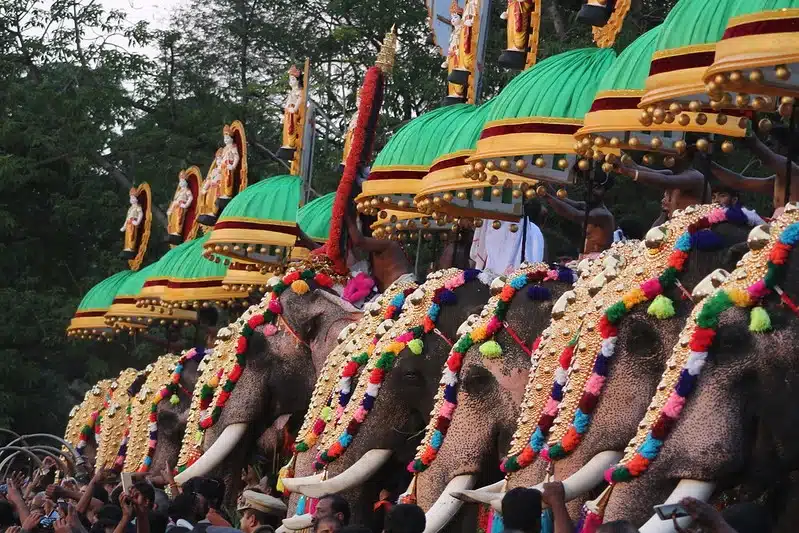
[
  {"x": 662, "y": 307},
  {"x": 491, "y": 349},
  {"x": 300, "y": 287},
  {"x": 759, "y": 321},
  {"x": 479, "y": 333},
  {"x": 633, "y": 298},
  {"x": 213, "y": 382},
  {"x": 739, "y": 297},
  {"x": 416, "y": 346}
]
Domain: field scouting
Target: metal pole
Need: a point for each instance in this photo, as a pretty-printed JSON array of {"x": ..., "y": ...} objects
[
  {"x": 418, "y": 253},
  {"x": 524, "y": 233},
  {"x": 589, "y": 182}
]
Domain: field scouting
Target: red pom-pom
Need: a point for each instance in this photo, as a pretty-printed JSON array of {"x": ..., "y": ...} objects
[
  {"x": 256, "y": 320},
  {"x": 290, "y": 278},
  {"x": 454, "y": 362},
  {"x": 205, "y": 423},
  {"x": 677, "y": 259},
  {"x": 637, "y": 465},
  {"x": 223, "y": 398},
  {"x": 323, "y": 279},
  {"x": 241, "y": 345},
  {"x": 606, "y": 329},
  {"x": 335, "y": 450},
  {"x": 570, "y": 440},
  {"x": 377, "y": 375},
  {"x": 507, "y": 293},
  {"x": 526, "y": 457},
  {"x": 702, "y": 339},
  {"x": 349, "y": 369},
  {"x": 779, "y": 253},
  {"x": 566, "y": 357},
  {"x": 318, "y": 426},
  {"x": 235, "y": 374},
  {"x": 429, "y": 325}
]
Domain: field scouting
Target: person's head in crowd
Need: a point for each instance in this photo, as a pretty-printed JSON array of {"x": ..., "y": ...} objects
[
  {"x": 110, "y": 481},
  {"x": 748, "y": 517},
  {"x": 211, "y": 491},
  {"x": 100, "y": 493},
  {"x": 37, "y": 503},
  {"x": 725, "y": 196},
  {"x": 327, "y": 525},
  {"x": 143, "y": 494},
  {"x": 601, "y": 184},
  {"x": 332, "y": 505},
  {"x": 158, "y": 522},
  {"x": 258, "y": 510},
  {"x": 161, "y": 502},
  {"x": 184, "y": 507},
  {"x": 617, "y": 526},
  {"x": 108, "y": 516},
  {"x": 69, "y": 483},
  {"x": 6, "y": 515},
  {"x": 115, "y": 494},
  {"x": 405, "y": 518},
  {"x": 521, "y": 510}
]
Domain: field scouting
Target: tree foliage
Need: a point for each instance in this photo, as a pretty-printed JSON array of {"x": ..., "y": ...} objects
[{"x": 86, "y": 115}]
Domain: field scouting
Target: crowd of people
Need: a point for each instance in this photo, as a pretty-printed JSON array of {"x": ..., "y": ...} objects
[{"x": 110, "y": 502}]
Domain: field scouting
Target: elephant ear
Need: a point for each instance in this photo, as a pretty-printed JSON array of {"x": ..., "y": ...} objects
[{"x": 337, "y": 300}]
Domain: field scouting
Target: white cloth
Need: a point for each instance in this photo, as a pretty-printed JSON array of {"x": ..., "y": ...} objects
[
  {"x": 752, "y": 216},
  {"x": 500, "y": 249}
]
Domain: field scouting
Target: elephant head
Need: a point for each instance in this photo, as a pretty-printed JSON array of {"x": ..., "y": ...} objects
[
  {"x": 282, "y": 359},
  {"x": 725, "y": 422},
  {"x": 368, "y": 447}
]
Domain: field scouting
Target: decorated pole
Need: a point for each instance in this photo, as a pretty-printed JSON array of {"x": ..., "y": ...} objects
[{"x": 361, "y": 146}]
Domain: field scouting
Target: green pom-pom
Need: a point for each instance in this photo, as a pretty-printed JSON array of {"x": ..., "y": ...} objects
[
  {"x": 615, "y": 312},
  {"x": 709, "y": 315},
  {"x": 361, "y": 359},
  {"x": 661, "y": 307},
  {"x": 416, "y": 346},
  {"x": 556, "y": 451},
  {"x": 301, "y": 447},
  {"x": 668, "y": 278},
  {"x": 174, "y": 400},
  {"x": 621, "y": 474},
  {"x": 491, "y": 349},
  {"x": 759, "y": 321},
  {"x": 326, "y": 414}
]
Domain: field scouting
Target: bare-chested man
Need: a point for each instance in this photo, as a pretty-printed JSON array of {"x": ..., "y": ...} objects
[
  {"x": 387, "y": 260},
  {"x": 601, "y": 224},
  {"x": 772, "y": 185}
]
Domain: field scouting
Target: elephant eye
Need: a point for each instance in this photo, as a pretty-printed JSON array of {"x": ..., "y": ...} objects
[{"x": 412, "y": 376}]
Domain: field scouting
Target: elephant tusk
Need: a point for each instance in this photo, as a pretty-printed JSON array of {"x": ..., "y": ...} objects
[
  {"x": 298, "y": 522},
  {"x": 589, "y": 475},
  {"x": 294, "y": 484},
  {"x": 218, "y": 451},
  {"x": 446, "y": 507},
  {"x": 478, "y": 496},
  {"x": 355, "y": 475},
  {"x": 701, "y": 490}
]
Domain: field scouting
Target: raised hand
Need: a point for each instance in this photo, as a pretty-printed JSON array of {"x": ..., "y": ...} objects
[{"x": 31, "y": 522}]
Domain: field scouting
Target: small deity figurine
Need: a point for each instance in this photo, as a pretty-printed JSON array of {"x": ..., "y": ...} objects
[
  {"x": 291, "y": 110},
  {"x": 177, "y": 209},
  {"x": 230, "y": 160},
  {"x": 209, "y": 192},
  {"x": 351, "y": 129},
  {"x": 467, "y": 49},
  {"x": 518, "y": 30},
  {"x": 453, "y": 61},
  {"x": 133, "y": 219}
]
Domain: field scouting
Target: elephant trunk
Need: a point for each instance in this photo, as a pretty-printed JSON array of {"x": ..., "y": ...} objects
[
  {"x": 701, "y": 490},
  {"x": 446, "y": 506},
  {"x": 355, "y": 475},
  {"x": 218, "y": 451}
]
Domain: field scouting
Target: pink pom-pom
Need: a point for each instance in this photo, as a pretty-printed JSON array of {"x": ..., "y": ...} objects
[
  {"x": 269, "y": 330},
  {"x": 757, "y": 290},
  {"x": 360, "y": 414},
  {"x": 551, "y": 408},
  {"x": 591, "y": 523},
  {"x": 544, "y": 454},
  {"x": 405, "y": 337},
  {"x": 716, "y": 216},
  {"x": 594, "y": 384},
  {"x": 493, "y": 325},
  {"x": 152, "y": 443},
  {"x": 318, "y": 426},
  {"x": 275, "y": 307},
  {"x": 454, "y": 283},
  {"x": 552, "y": 275},
  {"x": 609, "y": 474},
  {"x": 651, "y": 288},
  {"x": 339, "y": 411},
  {"x": 447, "y": 409},
  {"x": 674, "y": 405}
]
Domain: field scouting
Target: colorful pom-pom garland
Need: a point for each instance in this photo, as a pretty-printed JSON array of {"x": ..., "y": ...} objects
[
  {"x": 490, "y": 349},
  {"x": 169, "y": 390},
  {"x": 706, "y": 325},
  {"x": 298, "y": 282},
  {"x": 385, "y": 362},
  {"x": 608, "y": 329},
  {"x": 349, "y": 370}
]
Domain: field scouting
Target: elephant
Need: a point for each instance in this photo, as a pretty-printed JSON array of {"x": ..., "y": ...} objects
[
  {"x": 380, "y": 444},
  {"x": 735, "y": 427},
  {"x": 278, "y": 378},
  {"x": 491, "y": 389},
  {"x": 642, "y": 348}
]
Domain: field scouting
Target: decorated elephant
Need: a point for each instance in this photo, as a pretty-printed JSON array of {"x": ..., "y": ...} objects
[
  {"x": 287, "y": 338},
  {"x": 721, "y": 420},
  {"x": 606, "y": 399},
  {"x": 368, "y": 446},
  {"x": 494, "y": 370}
]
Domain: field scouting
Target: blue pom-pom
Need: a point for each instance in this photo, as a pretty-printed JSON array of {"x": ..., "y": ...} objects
[
  {"x": 557, "y": 392},
  {"x": 368, "y": 402},
  {"x": 581, "y": 421},
  {"x": 735, "y": 214},
  {"x": 437, "y": 439},
  {"x": 537, "y": 440},
  {"x": 565, "y": 274},
  {"x": 686, "y": 384},
  {"x": 519, "y": 282},
  {"x": 345, "y": 439},
  {"x": 539, "y": 293},
  {"x": 433, "y": 312},
  {"x": 601, "y": 366},
  {"x": 790, "y": 235},
  {"x": 178, "y": 369},
  {"x": 301, "y": 505},
  {"x": 470, "y": 274},
  {"x": 707, "y": 240},
  {"x": 398, "y": 300},
  {"x": 447, "y": 297},
  {"x": 683, "y": 244},
  {"x": 450, "y": 394},
  {"x": 650, "y": 448},
  {"x": 148, "y": 460}
]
